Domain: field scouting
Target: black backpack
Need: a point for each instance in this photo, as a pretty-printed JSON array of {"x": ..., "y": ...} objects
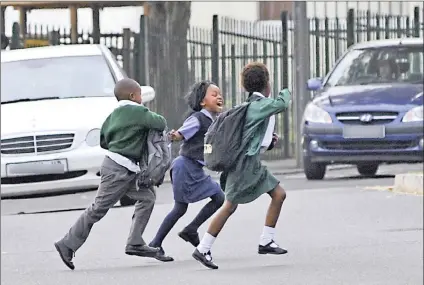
[{"x": 223, "y": 140}]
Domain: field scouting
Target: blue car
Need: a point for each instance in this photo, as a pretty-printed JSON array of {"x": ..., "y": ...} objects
[{"x": 368, "y": 110}]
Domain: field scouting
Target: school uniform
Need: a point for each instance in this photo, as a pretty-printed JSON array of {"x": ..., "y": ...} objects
[
  {"x": 190, "y": 184},
  {"x": 250, "y": 178},
  {"x": 189, "y": 181},
  {"x": 124, "y": 136}
]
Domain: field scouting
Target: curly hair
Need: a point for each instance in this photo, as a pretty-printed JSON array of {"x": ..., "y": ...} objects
[{"x": 255, "y": 77}]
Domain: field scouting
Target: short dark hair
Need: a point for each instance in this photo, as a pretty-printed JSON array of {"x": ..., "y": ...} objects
[
  {"x": 124, "y": 87},
  {"x": 255, "y": 77}
]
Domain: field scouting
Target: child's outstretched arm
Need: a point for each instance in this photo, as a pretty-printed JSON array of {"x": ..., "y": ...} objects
[
  {"x": 189, "y": 128},
  {"x": 271, "y": 106}
]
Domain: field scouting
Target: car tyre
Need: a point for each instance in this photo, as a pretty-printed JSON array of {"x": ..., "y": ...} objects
[
  {"x": 367, "y": 169},
  {"x": 126, "y": 201},
  {"x": 314, "y": 171}
]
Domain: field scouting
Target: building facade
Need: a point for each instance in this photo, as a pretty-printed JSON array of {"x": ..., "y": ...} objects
[{"x": 115, "y": 19}]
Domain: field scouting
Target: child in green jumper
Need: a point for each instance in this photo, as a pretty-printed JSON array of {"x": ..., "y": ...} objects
[
  {"x": 124, "y": 135},
  {"x": 250, "y": 179}
]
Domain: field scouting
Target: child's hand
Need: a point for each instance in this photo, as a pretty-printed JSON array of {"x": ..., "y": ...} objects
[
  {"x": 175, "y": 135},
  {"x": 274, "y": 141},
  {"x": 286, "y": 96}
]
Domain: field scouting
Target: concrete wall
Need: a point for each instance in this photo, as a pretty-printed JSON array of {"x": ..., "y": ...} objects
[
  {"x": 115, "y": 19},
  {"x": 339, "y": 8},
  {"x": 111, "y": 19},
  {"x": 202, "y": 12}
]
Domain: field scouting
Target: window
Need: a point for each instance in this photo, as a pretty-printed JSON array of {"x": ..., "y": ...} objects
[
  {"x": 399, "y": 64},
  {"x": 63, "y": 77}
]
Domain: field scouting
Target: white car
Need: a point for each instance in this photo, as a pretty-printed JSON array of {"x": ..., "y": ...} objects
[{"x": 53, "y": 103}]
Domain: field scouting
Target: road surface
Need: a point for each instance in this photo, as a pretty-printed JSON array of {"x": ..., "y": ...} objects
[{"x": 342, "y": 230}]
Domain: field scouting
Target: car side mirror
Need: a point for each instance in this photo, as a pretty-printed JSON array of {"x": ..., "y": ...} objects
[
  {"x": 314, "y": 84},
  {"x": 147, "y": 93}
]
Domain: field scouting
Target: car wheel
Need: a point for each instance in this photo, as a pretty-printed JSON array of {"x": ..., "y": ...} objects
[
  {"x": 367, "y": 169},
  {"x": 127, "y": 201},
  {"x": 314, "y": 171}
]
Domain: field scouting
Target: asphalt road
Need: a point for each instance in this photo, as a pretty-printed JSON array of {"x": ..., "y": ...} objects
[{"x": 342, "y": 230}]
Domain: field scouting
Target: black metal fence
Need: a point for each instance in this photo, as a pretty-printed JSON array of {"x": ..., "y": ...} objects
[{"x": 171, "y": 64}]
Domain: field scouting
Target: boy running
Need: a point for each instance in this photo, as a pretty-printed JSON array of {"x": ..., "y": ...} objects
[{"x": 124, "y": 135}]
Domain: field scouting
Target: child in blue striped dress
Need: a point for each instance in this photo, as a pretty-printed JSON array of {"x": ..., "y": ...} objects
[{"x": 190, "y": 183}]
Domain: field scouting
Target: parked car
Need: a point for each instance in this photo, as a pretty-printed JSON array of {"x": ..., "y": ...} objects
[
  {"x": 368, "y": 109},
  {"x": 53, "y": 103}
]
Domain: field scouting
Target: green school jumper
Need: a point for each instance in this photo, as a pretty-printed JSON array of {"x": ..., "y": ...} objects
[
  {"x": 250, "y": 179},
  {"x": 126, "y": 129}
]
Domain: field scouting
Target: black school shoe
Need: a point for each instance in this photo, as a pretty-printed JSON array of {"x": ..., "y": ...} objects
[
  {"x": 141, "y": 250},
  {"x": 162, "y": 257},
  {"x": 65, "y": 253},
  {"x": 205, "y": 259},
  {"x": 268, "y": 249},
  {"x": 191, "y": 237}
]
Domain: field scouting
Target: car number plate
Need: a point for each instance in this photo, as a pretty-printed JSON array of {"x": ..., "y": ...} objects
[
  {"x": 364, "y": 132},
  {"x": 41, "y": 167}
]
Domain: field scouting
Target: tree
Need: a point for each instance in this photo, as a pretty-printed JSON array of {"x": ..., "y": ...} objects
[{"x": 167, "y": 26}]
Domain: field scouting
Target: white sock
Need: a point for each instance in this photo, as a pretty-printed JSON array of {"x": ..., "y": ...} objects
[
  {"x": 206, "y": 243},
  {"x": 267, "y": 236}
]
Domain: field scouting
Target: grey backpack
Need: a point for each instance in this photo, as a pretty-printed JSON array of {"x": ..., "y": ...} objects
[{"x": 156, "y": 162}]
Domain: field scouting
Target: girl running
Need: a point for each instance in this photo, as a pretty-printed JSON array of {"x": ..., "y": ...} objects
[
  {"x": 250, "y": 179},
  {"x": 189, "y": 181}
]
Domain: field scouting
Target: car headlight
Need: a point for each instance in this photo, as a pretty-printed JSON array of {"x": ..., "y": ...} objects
[
  {"x": 93, "y": 137},
  {"x": 413, "y": 115},
  {"x": 315, "y": 114}
]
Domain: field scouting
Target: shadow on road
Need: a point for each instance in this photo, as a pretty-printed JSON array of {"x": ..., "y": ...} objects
[
  {"x": 359, "y": 177},
  {"x": 59, "y": 211}
]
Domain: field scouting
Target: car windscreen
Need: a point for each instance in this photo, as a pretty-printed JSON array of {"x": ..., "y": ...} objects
[
  {"x": 58, "y": 77},
  {"x": 397, "y": 64}
]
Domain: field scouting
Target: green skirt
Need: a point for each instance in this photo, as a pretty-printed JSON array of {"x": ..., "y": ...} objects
[{"x": 249, "y": 180}]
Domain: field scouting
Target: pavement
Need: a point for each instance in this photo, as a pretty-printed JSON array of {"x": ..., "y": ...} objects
[{"x": 345, "y": 229}]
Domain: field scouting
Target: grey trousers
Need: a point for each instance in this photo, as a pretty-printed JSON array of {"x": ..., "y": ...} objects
[{"x": 116, "y": 181}]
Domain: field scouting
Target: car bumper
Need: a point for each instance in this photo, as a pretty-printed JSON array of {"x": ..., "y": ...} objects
[
  {"x": 326, "y": 144},
  {"x": 82, "y": 173}
]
